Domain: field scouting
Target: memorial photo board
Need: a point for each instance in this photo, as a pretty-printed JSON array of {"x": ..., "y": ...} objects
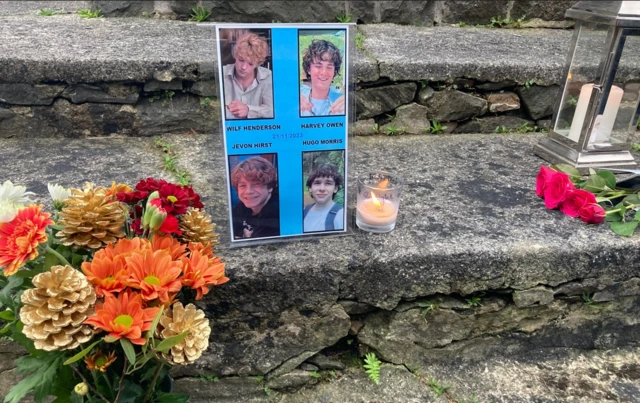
[{"x": 284, "y": 97}]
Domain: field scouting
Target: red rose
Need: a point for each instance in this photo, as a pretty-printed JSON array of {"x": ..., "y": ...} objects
[
  {"x": 170, "y": 225},
  {"x": 576, "y": 201},
  {"x": 542, "y": 179},
  {"x": 592, "y": 214},
  {"x": 556, "y": 190}
]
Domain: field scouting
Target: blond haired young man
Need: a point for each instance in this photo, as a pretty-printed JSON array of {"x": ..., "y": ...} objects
[{"x": 248, "y": 87}]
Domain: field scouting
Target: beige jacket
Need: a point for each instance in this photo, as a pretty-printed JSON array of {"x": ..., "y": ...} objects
[{"x": 258, "y": 96}]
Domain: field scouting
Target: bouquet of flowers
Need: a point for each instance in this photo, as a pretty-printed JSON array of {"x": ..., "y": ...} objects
[
  {"x": 595, "y": 199},
  {"x": 101, "y": 294}
]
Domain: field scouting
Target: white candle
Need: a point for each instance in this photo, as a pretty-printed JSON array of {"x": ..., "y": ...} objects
[
  {"x": 374, "y": 212},
  {"x": 604, "y": 123}
]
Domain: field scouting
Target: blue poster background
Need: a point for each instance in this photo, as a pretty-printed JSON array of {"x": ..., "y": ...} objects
[{"x": 288, "y": 140}]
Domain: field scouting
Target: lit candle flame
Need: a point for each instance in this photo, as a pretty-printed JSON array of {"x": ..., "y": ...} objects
[
  {"x": 384, "y": 183},
  {"x": 376, "y": 202}
]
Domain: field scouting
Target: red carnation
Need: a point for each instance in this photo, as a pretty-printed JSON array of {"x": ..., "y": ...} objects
[
  {"x": 136, "y": 226},
  {"x": 150, "y": 185},
  {"x": 542, "y": 179},
  {"x": 556, "y": 190},
  {"x": 170, "y": 225},
  {"x": 592, "y": 214},
  {"x": 576, "y": 201},
  {"x": 132, "y": 197},
  {"x": 174, "y": 199},
  {"x": 193, "y": 197}
]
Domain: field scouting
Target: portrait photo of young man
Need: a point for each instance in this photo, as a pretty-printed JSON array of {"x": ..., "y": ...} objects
[
  {"x": 248, "y": 79},
  {"x": 256, "y": 206},
  {"x": 326, "y": 211},
  {"x": 322, "y": 89}
]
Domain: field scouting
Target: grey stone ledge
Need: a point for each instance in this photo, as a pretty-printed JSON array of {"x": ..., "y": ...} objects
[
  {"x": 69, "y": 48},
  {"x": 469, "y": 221}
]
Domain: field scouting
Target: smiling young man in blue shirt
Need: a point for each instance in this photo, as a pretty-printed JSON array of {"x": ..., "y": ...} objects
[{"x": 321, "y": 63}]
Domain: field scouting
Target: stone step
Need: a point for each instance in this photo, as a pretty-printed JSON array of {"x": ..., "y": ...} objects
[
  {"x": 427, "y": 13},
  {"x": 68, "y": 76},
  {"x": 65, "y": 76},
  {"x": 470, "y": 228}
]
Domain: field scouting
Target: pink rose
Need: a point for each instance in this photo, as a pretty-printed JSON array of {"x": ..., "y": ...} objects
[
  {"x": 556, "y": 190},
  {"x": 592, "y": 214},
  {"x": 576, "y": 201},
  {"x": 542, "y": 179}
]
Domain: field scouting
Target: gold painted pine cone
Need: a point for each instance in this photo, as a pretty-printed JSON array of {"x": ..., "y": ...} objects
[
  {"x": 55, "y": 309},
  {"x": 196, "y": 227},
  {"x": 178, "y": 319},
  {"x": 91, "y": 218}
]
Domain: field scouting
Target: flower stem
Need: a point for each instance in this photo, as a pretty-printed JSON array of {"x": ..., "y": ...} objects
[
  {"x": 58, "y": 255},
  {"x": 152, "y": 385},
  {"x": 121, "y": 384},
  {"x": 91, "y": 388}
]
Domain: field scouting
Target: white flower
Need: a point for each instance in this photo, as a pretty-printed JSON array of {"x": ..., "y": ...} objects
[
  {"x": 14, "y": 194},
  {"x": 58, "y": 193},
  {"x": 8, "y": 211},
  {"x": 12, "y": 199}
]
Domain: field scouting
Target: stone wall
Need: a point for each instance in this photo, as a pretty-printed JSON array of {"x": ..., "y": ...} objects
[
  {"x": 102, "y": 109},
  {"x": 424, "y": 13},
  {"x": 423, "y": 333},
  {"x": 459, "y": 106}
]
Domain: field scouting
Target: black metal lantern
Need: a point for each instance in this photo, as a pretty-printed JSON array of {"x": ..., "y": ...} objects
[{"x": 595, "y": 117}]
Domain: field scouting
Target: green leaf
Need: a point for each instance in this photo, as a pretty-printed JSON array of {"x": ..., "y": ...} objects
[
  {"x": 163, "y": 397},
  {"x": 636, "y": 216},
  {"x": 19, "y": 337},
  {"x": 609, "y": 178},
  {"x": 624, "y": 228},
  {"x": 82, "y": 353},
  {"x": 130, "y": 391},
  {"x": 592, "y": 171},
  {"x": 613, "y": 217},
  {"x": 8, "y": 315},
  {"x": 50, "y": 260},
  {"x": 595, "y": 184},
  {"x": 372, "y": 367},
  {"x": 6, "y": 293},
  {"x": 169, "y": 342},
  {"x": 42, "y": 372},
  {"x": 128, "y": 350},
  {"x": 155, "y": 322},
  {"x": 632, "y": 199},
  {"x": 568, "y": 169}
]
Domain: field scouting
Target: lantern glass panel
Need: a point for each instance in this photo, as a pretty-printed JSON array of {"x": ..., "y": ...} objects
[
  {"x": 585, "y": 70},
  {"x": 624, "y": 94}
]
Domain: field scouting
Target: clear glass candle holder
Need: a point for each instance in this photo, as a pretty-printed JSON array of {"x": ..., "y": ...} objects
[{"x": 378, "y": 201}]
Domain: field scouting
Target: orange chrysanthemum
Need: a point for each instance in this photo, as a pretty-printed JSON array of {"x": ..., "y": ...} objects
[
  {"x": 123, "y": 317},
  {"x": 201, "y": 272},
  {"x": 20, "y": 237},
  {"x": 170, "y": 244},
  {"x": 108, "y": 271},
  {"x": 155, "y": 274},
  {"x": 106, "y": 275},
  {"x": 205, "y": 250},
  {"x": 99, "y": 361}
]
